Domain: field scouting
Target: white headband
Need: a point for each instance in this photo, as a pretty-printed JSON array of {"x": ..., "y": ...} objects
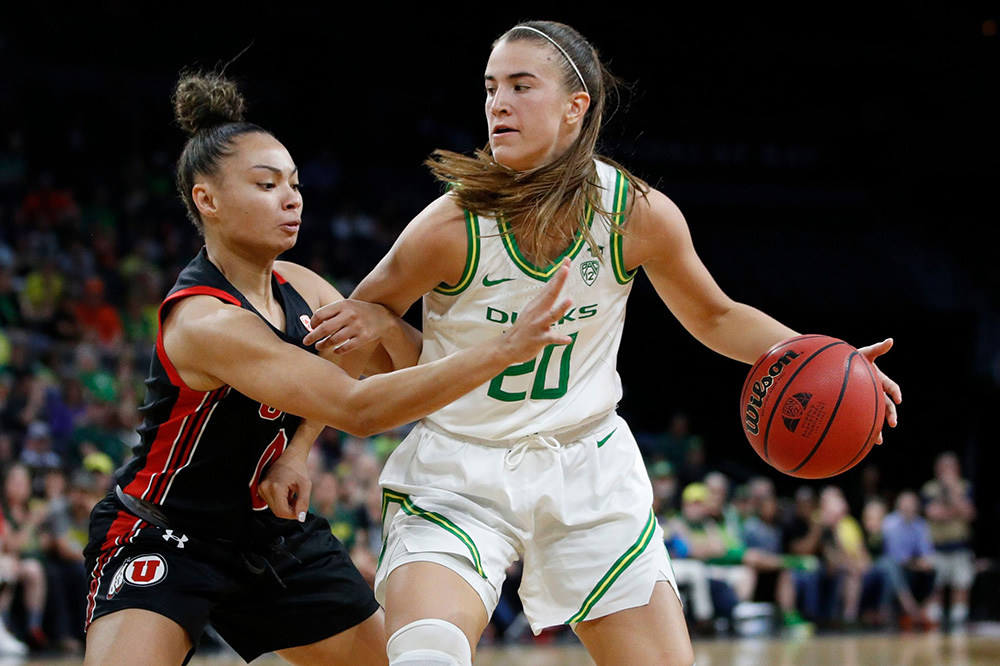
[{"x": 561, "y": 50}]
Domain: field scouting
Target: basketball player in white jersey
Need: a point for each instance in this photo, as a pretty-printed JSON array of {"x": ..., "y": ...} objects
[{"x": 536, "y": 464}]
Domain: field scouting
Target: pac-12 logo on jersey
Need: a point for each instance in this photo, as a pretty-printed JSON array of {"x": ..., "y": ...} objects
[
  {"x": 306, "y": 322},
  {"x": 141, "y": 571},
  {"x": 589, "y": 271}
]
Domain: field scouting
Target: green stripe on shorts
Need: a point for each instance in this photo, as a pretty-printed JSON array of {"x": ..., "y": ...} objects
[
  {"x": 412, "y": 509},
  {"x": 616, "y": 570}
]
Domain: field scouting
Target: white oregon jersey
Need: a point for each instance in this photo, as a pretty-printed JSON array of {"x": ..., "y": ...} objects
[{"x": 566, "y": 385}]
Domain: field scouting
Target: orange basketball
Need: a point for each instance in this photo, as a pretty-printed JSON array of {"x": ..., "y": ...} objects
[{"x": 812, "y": 406}]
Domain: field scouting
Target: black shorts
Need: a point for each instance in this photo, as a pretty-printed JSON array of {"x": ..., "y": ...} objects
[{"x": 296, "y": 591}]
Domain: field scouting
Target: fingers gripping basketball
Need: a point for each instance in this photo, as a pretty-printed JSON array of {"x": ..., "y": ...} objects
[{"x": 812, "y": 406}]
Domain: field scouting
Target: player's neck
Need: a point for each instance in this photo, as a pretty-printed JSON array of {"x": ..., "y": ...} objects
[{"x": 248, "y": 272}]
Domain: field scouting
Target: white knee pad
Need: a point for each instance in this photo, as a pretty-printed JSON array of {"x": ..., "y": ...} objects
[{"x": 429, "y": 642}]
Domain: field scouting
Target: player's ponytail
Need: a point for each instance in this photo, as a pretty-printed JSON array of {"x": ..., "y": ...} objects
[{"x": 209, "y": 108}]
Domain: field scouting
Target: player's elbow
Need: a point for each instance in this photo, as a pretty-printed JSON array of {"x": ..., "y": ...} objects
[
  {"x": 366, "y": 418},
  {"x": 362, "y": 423}
]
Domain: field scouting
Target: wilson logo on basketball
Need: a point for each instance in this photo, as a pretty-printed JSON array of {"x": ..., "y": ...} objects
[
  {"x": 760, "y": 388},
  {"x": 793, "y": 409}
]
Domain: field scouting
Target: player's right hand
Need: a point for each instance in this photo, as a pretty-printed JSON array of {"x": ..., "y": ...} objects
[
  {"x": 348, "y": 324},
  {"x": 893, "y": 394},
  {"x": 533, "y": 330},
  {"x": 286, "y": 487}
]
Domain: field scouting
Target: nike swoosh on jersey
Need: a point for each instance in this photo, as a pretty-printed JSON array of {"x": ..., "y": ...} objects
[
  {"x": 601, "y": 442},
  {"x": 487, "y": 282}
]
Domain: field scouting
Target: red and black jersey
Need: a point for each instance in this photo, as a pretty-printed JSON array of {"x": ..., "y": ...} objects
[{"x": 203, "y": 452}]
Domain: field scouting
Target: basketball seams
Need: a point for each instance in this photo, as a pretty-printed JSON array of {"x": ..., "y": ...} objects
[
  {"x": 833, "y": 414},
  {"x": 870, "y": 441},
  {"x": 781, "y": 395}
]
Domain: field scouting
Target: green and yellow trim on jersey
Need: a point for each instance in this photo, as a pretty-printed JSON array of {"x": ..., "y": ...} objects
[
  {"x": 408, "y": 507},
  {"x": 617, "y": 241},
  {"x": 616, "y": 570},
  {"x": 530, "y": 269},
  {"x": 471, "y": 259}
]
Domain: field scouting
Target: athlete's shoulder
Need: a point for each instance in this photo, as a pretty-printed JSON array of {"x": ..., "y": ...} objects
[
  {"x": 313, "y": 288},
  {"x": 652, "y": 209},
  {"x": 199, "y": 314},
  {"x": 433, "y": 249},
  {"x": 442, "y": 214},
  {"x": 656, "y": 230},
  {"x": 440, "y": 229}
]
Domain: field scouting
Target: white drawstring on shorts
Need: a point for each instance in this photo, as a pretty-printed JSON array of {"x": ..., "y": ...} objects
[{"x": 516, "y": 453}]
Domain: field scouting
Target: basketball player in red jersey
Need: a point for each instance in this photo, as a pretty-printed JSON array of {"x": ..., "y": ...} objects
[{"x": 186, "y": 538}]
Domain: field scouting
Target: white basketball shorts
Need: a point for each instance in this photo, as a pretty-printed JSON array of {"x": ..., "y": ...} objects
[{"x": 574, "y": 505}]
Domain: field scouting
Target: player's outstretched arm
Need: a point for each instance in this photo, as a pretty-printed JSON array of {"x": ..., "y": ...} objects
[
  {"x": 213, "y": 344},
  {"x": 659, "y": 240}
]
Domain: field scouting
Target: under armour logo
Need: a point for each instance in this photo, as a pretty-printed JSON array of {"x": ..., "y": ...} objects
[{"x": 181, "y": 539}]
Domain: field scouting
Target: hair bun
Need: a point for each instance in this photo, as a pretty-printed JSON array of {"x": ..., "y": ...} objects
[{"x": 202, "y": 101}]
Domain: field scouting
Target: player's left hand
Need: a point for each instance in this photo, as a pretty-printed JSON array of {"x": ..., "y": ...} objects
[
  {"x": 348, "y": 324},
  {"x": 286, "y": 487},
  {"x": 893, "y": 396}
]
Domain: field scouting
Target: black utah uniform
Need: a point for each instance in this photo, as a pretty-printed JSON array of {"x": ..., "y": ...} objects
[{"x": 185, "y": 535}]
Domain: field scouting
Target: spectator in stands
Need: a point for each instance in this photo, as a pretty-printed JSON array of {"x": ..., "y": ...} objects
[
  {"x": 675, "y": 443},
  {"x": 720, "y": 508},
  {"x": 701, "y": 537},
  {"x": 950, "y": 511},
  {"x": 63, "y": 535},
  {"x": 690, "y": 571},
  {"x": 37, "y": 453},
  {"x": 44, "y": 288},
  {"x": 844, "y": 555},
  {"x": 905, "y": 557},
  {"x": 99, "y": 320},
  {"x": 776, "y": 572},
  {"x": 20, "y": 540},
  {"x": 664, "y": 480}
]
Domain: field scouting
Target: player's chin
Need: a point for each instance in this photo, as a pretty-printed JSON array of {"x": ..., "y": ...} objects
[
  {"x": 506, "y": 156},
  {"x": 287, "y": 240}
]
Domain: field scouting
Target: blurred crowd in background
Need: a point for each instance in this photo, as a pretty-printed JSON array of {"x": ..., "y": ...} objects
[
  {"x": 857, "y": 154},
  {"x": 80, "y": 286}
]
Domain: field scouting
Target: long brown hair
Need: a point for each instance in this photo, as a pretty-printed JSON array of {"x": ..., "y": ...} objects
[{"x": 538, "y": 200}]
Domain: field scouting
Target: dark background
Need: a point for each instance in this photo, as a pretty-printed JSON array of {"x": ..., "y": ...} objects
[{"x": 838, "y": 169}]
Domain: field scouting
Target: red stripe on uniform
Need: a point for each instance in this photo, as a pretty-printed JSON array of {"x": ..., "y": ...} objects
[
  {"x": 167, "y": 435},
  {"x": 124, "y": 528},
  {"x": 182, "y": 453},
  {"x": 195, "y": 439},
  {"x": 280, "y": 279},
  {"x": 175, "y": 378}
]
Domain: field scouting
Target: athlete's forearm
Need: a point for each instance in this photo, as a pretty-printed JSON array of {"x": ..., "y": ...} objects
[
  {"x": 386, "y": 401},
  {"x": 742, "y": 333},
  {"x": 305, "y": 436},
  {"x": 401, "y": 346}
]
